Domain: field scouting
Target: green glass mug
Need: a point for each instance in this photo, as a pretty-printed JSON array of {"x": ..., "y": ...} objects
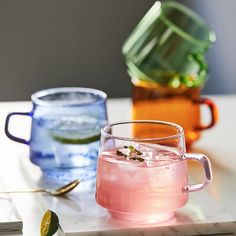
[{"x": 168, "y": 46}]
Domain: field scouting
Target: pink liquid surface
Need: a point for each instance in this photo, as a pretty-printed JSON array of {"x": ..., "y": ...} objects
[{"x": 146, "y": 192}]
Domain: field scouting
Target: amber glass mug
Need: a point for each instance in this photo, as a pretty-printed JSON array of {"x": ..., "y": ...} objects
[
  {"x": 181, "y": 107},
  {"x": 165, "y": 57}
]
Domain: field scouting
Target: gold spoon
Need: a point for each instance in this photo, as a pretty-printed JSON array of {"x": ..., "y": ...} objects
[{"x": 54, "y": 192}]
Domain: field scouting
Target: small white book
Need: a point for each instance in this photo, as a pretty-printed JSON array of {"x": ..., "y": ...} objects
[{"x": 10, "y": 220}]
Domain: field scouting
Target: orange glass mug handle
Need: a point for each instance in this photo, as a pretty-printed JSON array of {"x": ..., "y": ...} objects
[{"x": 213, "y": 111}]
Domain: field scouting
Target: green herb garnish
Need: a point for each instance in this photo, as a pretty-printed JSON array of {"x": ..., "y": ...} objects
[
  {"x": 138, "y": 152},
  {"x": 130, "y": 156},
  {"x": 131, "y": 148},
  {"x": 119, "y": 153},
  {"x": 137, "y": 159}
]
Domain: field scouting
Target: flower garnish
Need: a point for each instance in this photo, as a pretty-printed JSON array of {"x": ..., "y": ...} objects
[{"x": 130, "y": 153}]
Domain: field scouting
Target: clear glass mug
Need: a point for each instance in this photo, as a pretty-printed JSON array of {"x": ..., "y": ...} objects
[
  {"x": 65, "y": 131},
  {"x": 143, "y": 179}
]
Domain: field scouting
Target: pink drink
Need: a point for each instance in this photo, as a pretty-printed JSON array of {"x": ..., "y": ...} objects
[{"x": 142, "y": 192}]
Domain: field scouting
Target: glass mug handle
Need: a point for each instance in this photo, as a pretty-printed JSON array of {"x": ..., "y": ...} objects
[
  {"x": 204, "y": 161},
  {"x": 8, "y": 134},
  {"x": 213, "y": 111}
]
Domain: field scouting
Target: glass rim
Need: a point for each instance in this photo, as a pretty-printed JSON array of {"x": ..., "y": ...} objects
[
  {"x": 171, "y": 137},
  {"x": 36, "y": 97},
  {"x": 189, "y": 12}
]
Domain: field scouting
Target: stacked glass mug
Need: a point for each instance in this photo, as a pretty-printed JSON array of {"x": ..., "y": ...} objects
[{"x": 165, "y": 56}]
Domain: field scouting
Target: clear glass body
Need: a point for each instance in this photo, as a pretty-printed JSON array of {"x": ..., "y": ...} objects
[{"x": 142, "y": 178}]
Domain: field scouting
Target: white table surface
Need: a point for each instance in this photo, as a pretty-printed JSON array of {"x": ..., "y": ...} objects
[{"x": 218, "y": 143}]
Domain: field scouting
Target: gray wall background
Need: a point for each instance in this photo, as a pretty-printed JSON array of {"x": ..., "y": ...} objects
[{"x": 52, "y": 43}]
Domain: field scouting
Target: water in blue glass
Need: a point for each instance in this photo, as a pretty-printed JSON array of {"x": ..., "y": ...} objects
[{"x": 65, "y": 138}]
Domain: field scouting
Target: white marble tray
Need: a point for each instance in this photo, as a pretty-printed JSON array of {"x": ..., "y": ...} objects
[{"x": 80, "y": 215}]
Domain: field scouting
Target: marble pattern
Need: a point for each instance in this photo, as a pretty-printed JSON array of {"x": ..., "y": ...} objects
[{"x": 80, "y": 215}]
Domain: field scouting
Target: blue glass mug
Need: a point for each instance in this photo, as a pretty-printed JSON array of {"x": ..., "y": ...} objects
[{"x": 65, "y": 131}]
